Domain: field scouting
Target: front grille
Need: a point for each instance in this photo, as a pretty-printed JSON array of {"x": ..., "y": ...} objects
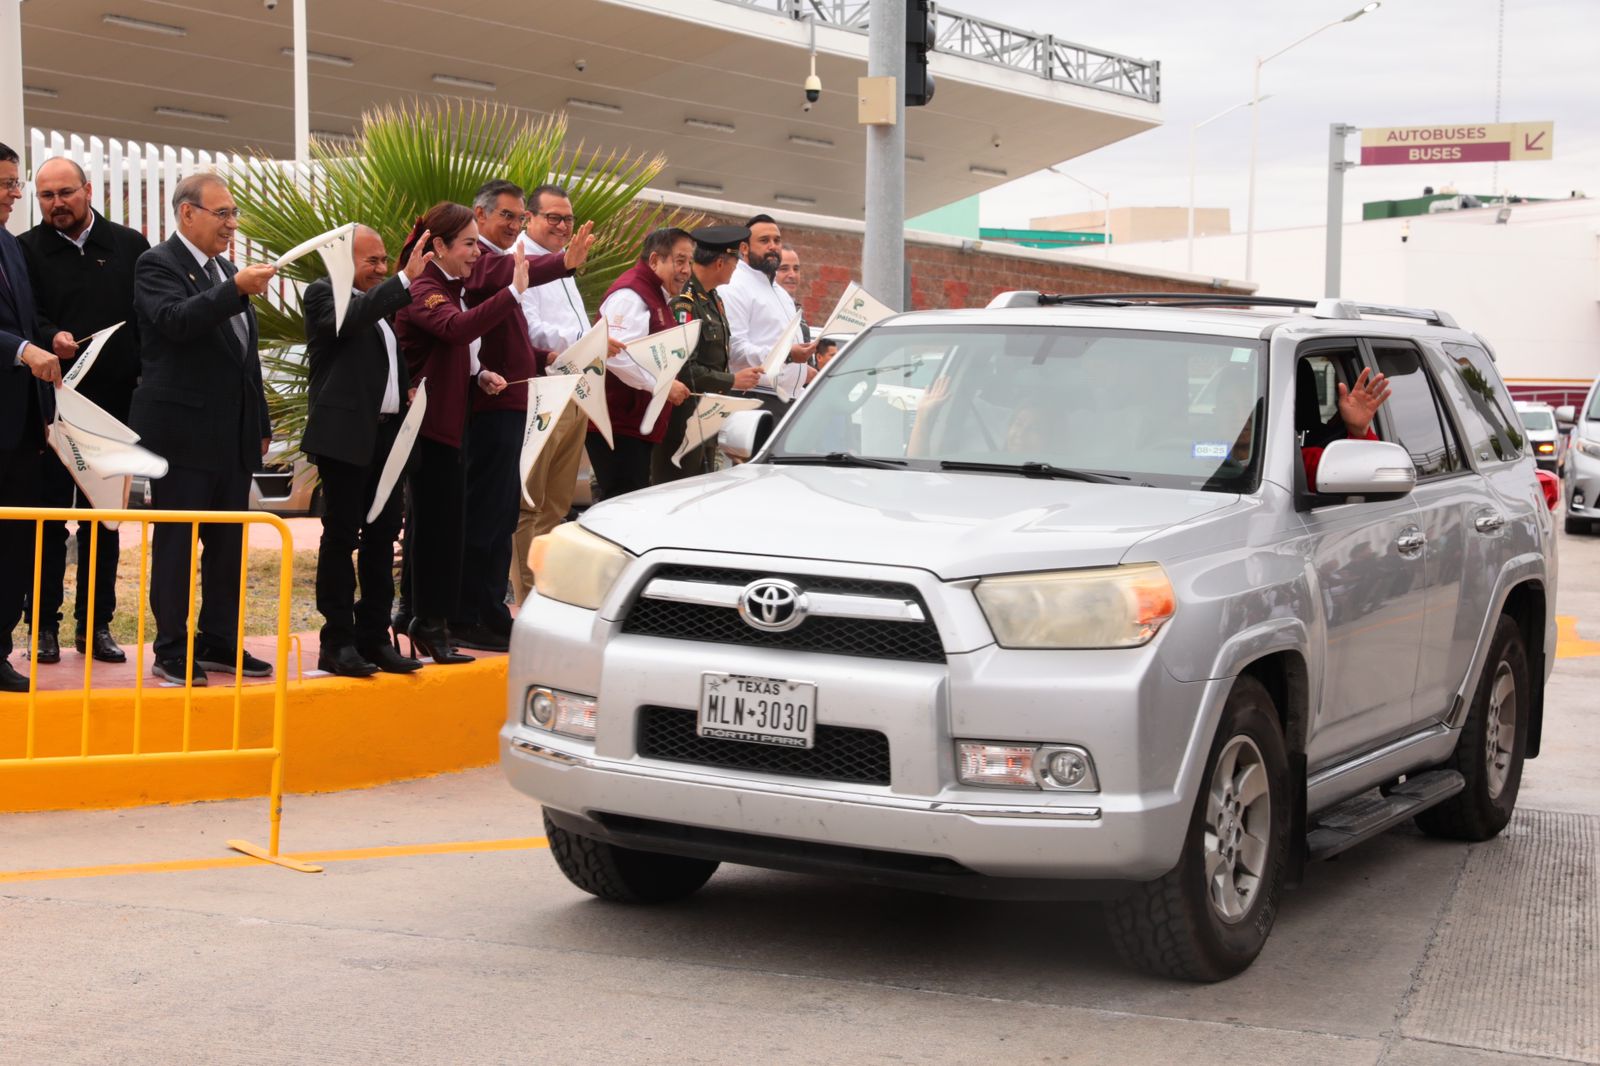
[
  {"x": 860, "y": 756},
  {"x": 867, "y": 638}
]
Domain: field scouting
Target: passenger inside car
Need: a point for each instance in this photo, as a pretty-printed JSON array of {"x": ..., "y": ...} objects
[{"x": 1354, "y": 411}]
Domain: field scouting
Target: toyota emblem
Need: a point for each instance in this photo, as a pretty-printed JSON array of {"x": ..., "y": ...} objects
[{"x": 772, "y": 605}]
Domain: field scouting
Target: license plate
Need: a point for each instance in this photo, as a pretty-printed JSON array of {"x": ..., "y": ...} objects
[{"x": 758, "y": 710}]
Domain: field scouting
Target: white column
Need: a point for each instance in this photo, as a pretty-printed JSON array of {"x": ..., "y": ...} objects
[
  {"x": 302, "y": 94},
  {"x": 12, "y": 131}
]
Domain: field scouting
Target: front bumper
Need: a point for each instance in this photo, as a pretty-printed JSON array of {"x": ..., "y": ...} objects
[
  {"x": 1580, "y": 485},
  {"x": 1142, "y": 727}
]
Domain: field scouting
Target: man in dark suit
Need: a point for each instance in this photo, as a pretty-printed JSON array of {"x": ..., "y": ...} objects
[
  {"x": 356, "y": 399},
  {"x": 201, "y": 406},
  {"x": 81, "y": 266},
  {"x": 26, "y": 404}
]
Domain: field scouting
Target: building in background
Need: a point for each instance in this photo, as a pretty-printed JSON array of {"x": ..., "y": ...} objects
[{"x": 1129, "y": 224}]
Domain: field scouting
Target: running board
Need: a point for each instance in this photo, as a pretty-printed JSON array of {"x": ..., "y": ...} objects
[{"x": 1362, "y": 817}]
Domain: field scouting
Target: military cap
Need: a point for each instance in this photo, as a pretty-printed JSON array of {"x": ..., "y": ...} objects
[{"x": 720, "y": 238}]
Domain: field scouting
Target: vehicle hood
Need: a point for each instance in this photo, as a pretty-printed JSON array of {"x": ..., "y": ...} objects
[{"x": 955, "y": 525}]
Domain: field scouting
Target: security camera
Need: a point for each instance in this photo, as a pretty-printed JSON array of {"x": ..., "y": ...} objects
[
  {"x": 270, "y": 5},
  {"x": 582, "y": 65},
  {"x": 813, "y": 90}
]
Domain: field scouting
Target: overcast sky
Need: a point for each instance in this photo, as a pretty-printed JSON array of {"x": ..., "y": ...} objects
[{"x": 1411, "y": 62}]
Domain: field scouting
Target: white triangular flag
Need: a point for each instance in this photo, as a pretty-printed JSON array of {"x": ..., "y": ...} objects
[
  {"x": 400, "y": 453},
  {"x": 587, "y": 359},
  {"x": 86, "y": 357},
  {"x": 705, "y": 423},
  {"x": 663, "y": 355},
  {"x": 99, "y": 452},
  {"x": 337, "y": 247},
  {"x": 548, "y": 397},
  {"x": 855, "y": 311},
  {"x": 779, "y": 356}
]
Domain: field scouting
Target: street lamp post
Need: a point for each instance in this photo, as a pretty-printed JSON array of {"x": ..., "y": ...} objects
[
  {"x": 1193, "y": 136},
  {"x": 1103, "y": 195},
  {"x": 1255, "y": 128}
]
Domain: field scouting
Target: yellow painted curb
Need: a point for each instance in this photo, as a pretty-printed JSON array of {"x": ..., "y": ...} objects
[{"x": 340, "y": 733}]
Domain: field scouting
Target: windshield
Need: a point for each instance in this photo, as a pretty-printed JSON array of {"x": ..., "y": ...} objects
[
  {"x": 1162, "y": 409},
  {"x": 1593, "y": 414},
  {"x": 1538, "y": 420}
]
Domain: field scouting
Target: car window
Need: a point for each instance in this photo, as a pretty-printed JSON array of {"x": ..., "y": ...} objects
[
  {"x": 1413, "y": 411},
  {"x": 1538, "y": 421},
  {"x": 1165, "y": 409},
  {"x": 1493, "y": 432},
  {"x": 1593, "y": 414}
]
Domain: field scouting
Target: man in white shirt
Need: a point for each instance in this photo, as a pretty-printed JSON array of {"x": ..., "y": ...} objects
[{"x": 758, "y": 312}]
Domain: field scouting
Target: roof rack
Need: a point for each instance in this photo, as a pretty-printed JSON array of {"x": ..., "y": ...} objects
[{"x": 1326, "y": 308}]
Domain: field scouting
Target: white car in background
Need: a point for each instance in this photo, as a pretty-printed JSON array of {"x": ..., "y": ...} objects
[{"x": 1546, "y": 439}]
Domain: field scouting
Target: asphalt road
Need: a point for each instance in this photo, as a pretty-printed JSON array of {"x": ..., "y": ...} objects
[{"x": 1404, "y": 951}]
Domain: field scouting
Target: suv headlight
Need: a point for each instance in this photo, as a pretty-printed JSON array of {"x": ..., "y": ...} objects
[
  {"x": 1114, "y": 607},
  {"x": 1590, "y": 448},
  {"x": 574, "y": 566}
]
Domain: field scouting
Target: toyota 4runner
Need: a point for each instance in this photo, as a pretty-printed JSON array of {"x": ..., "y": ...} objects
[{"x": 1056, "y": 599}]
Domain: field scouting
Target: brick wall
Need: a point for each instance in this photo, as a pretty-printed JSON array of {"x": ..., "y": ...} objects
[{"x": 943, "y": 275}]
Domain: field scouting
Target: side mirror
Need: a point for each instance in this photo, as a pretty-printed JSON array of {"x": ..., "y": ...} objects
[
  {"x": 1566, "y": 414},
  {"x": 1370, "y": 468},
  {"x": 744, "y": 434}
]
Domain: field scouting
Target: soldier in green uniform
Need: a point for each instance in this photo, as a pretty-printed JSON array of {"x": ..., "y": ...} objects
[{"x": 717, "y": 250}]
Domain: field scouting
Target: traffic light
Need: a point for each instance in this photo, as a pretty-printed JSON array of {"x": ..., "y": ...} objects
[{"x": 920, "y": 35}]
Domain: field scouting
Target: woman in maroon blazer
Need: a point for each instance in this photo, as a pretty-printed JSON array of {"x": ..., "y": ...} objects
[{"x": 440, "y": 337}]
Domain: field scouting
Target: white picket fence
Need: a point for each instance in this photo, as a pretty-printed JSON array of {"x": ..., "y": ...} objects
[{"x": 132, "y": 182}]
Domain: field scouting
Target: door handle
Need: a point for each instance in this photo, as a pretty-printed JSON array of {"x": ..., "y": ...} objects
[
  {"x": 1489, "y": 522},
  {"x": 1410, "y": 540}
]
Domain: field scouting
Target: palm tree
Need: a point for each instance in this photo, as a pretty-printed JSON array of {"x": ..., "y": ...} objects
[{"x": 401, "y": 162}]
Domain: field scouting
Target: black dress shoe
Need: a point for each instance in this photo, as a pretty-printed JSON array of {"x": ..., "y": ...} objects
[
  {"x": 172, "y": 670},
  {"x": 106, "y": 649},
  {"x": 10, "y": 680},
  {"x": 221, "y": 660},
  {"x": 49, "y": 646},
  {"x": 390, "y": 661},
  {"x": 480, "y": 638},
  {"x": 346, "y": 662},
  {"x": 433, "y": 640}
]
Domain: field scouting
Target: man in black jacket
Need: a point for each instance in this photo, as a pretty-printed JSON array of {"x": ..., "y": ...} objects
[
  {"x": 201, "y": 406},
  {"x": 26, "y": 404},
  {"x": 81, "y": 266},
  {"x": 357, "y": 396}
]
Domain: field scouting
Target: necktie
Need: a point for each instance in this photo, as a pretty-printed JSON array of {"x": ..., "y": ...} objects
[{"x": 240, "y": 330}]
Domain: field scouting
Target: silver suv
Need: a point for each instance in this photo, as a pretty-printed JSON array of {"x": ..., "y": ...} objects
[
  {"x": 1581, "y": 478},
  {"x": 1070, "y": 597}
]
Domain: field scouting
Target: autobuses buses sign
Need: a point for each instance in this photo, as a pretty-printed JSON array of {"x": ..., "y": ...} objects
[{"x": 1491, "y": 142}]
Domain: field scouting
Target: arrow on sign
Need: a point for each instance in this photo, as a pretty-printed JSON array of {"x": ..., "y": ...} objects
[{"x": 1531, "y": 144}]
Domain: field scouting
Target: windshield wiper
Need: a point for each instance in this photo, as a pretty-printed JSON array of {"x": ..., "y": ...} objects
[
  {"x": 839, "y": 459},
  {"x": 1035, "y": 469}
]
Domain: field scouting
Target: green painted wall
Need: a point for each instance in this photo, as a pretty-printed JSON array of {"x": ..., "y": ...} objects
[{"x": 959, "y": 219}]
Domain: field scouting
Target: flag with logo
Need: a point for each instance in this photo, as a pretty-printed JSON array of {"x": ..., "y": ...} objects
[
  {"x": 710, "y": 411},
  {"x": 405, "y": 439},
  {"x": 663, "y": 355},
  {"x": 85, "y": 358},
  {"x": 778, "y": 356},
  {"x": 99, "y": 451},
  {"x": 855, "y": 311},
  {"x": 586, "y": 360},
  {"x": 548, "y": 397}
]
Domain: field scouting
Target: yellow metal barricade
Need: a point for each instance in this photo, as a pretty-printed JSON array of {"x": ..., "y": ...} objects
[{"x": 187, "y": 752}]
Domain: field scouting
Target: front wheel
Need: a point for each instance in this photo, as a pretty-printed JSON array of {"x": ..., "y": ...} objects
[
  {"x": 1490, "y": 749},
  {"x": 1208, "y": 917},
  {"x": 625, "y": 875}
]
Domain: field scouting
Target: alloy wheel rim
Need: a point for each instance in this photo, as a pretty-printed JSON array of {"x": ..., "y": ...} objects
[
  {"x": 1500, "y": 729},
  {"x": 1237, "y": 830}
]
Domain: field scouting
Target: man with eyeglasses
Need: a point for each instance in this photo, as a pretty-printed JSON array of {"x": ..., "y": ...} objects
[
  {"x": 494, "y": 435},
  {"x": 556, "y": 318},
  {"x": 200, "y": 405},
  {"x": 27, "y": 403},
  {"x": 81, "y": 264}
]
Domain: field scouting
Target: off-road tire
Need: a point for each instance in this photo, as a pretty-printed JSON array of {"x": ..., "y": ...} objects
[
  {"x": 625, "y": 875},
  {"x": 1169, "y": 926},
  {"x": 1476, "y": 812}
]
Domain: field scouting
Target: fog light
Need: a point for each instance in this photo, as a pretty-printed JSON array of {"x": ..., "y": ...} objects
[
  {"x": 1069, "y": 769},
  {"x": 561, "y": 712},
  {"x": 541, "y": 707},
  {"x": 996, "y": 765}
]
